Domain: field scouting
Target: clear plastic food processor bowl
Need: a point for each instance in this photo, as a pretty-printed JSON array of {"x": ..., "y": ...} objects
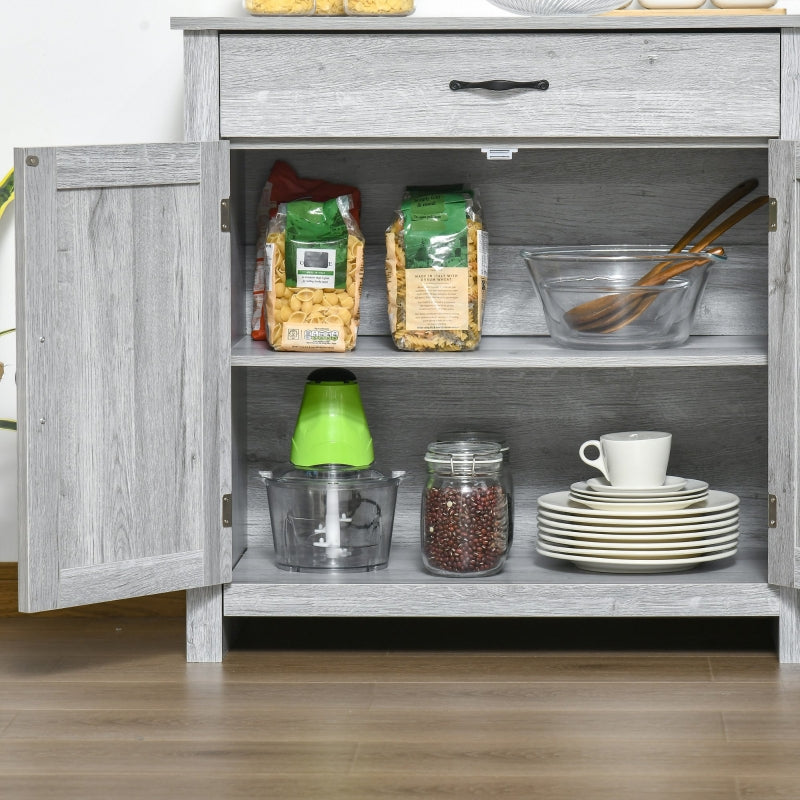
[{"x": 331, "y": 518}]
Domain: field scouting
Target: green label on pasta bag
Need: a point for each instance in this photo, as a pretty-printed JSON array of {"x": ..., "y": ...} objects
[
  {"x": 435, "y": 228},
  {"x": 316, "y": 245}
]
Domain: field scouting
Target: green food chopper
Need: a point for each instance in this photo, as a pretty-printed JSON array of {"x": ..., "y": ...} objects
[{"x": 331, "y": 510}]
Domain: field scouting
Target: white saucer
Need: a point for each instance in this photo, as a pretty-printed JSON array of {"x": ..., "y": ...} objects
[
  {"x": 697, "y": 545},
  {"x": 626, "y": 565},
  {"x": 671, "y": 484},
  {"x": 638, "y": 525},
  {"x": 691, "y": 487},
  {"x": 715, "y": 503}
]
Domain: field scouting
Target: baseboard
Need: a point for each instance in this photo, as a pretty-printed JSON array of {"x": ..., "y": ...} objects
[{"x": 172, "y": 604}]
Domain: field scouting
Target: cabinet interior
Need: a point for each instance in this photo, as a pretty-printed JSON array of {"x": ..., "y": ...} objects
[{"x": 716, "y": 412}]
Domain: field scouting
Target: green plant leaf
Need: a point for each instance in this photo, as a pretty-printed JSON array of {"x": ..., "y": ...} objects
[
  {"x": 10, "y": 330},
  {"x": 6, "y": 191},
  {"x": 8, "y": 424}
]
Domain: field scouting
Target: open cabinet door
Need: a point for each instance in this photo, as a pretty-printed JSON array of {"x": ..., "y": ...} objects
[
  {"x": 123, "y": 317},
  {"x": 784, "y": 366}
]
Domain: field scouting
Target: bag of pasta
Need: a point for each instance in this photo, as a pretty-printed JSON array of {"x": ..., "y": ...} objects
[
  {"x": 436, "y": 270},
  {"x": 314, "y": 265}
]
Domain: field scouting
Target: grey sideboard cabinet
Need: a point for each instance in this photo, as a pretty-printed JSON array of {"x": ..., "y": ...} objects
[{"x": 146, "y": 410}]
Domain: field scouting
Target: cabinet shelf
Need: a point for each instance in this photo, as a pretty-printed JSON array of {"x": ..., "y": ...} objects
[
  {"x": 529, "y": 586},
  {"x": 251, "y": 143},
  {"x": 525, "y": 352}
]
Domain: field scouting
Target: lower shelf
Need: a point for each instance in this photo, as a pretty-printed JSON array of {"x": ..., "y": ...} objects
[{"x": 529, "y": 586}]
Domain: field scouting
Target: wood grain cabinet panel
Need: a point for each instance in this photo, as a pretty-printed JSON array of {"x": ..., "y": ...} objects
[
  {"x": 398, "y": 85},
  {"x": 123, "y": 363}
]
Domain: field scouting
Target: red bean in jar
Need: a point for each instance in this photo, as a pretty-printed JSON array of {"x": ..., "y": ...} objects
[{"x": 464, "y": 510}]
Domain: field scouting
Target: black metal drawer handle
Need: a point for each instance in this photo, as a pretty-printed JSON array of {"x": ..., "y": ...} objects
[{"x": 499, "y": 86}]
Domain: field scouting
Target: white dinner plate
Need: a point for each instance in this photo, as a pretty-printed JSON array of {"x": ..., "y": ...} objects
[
  {"x": 626, "y": 523},
  {"x": 660, "y": 503},
  {"x": 641, "y": 543},
  {"x": 715, "y": 503},
  {"x": 628, "y": 565},
  {"x": 644, "y": 535},
  {"x": 601, "y": 485},
  {"x": 596, "y": 552},
  {"x": 731, "y": 521},
  {"x": 691, "y": 489}
]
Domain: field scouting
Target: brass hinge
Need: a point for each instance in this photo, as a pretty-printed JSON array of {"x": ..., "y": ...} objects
[
  {"x": 227, "y": 509},
  {"x": 773, "y": 214},
  {"x": 773, "y": 511},
  {"x": 225, "y": 215}
]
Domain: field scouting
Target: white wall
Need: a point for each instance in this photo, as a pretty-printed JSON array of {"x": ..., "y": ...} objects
[{"x": 98, "y": 72}]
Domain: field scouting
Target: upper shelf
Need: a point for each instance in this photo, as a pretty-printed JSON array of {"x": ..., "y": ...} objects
[
  {"x": 612, "y": 21},
  {"x": 512, "y": 352}
]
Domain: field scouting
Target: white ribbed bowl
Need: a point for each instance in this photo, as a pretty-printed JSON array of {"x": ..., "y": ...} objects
[{"x": 559, "y": 7}]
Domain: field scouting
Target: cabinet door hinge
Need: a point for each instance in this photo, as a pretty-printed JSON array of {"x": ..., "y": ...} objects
[
  {"x": 227, "y": 507},
  {"x": 225, "y": 215},
  {"x": 772, "y": 513},
  {"x": 773, "y": 214}
]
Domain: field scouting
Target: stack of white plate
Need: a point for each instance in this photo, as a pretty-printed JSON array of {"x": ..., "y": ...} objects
[{"x": 668, "y": 528}]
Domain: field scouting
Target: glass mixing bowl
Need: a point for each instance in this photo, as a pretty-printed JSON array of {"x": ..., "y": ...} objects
[
  {"x": 559, "y": 7},
  {"x": 591, "y": 300}
]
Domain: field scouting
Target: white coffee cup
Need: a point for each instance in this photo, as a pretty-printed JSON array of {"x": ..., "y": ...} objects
[{"x": 631, "y": 459}]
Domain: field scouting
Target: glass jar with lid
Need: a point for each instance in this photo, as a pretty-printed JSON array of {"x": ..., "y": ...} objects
[
  {"x": 464, "y": 519},
  {"x": 506, "y": 475}
]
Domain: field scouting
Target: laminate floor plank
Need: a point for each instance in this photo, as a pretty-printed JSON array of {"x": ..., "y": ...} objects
[
  {"x": 747, "y": 667},
  {"x": 759, "y": 788},
  {"x": 157, "y": 757},
  {"x": 354, "y": 787},
  {"x": 778, "y": 723},
  {"x": 147, "y": 697},
  {"x": 649, "y": 696},
  {"x": 232, "y": 722},
  {"x": 563, "y": 755},
  {"x": 449, "y": 667},
  {"x": 553, "y": 756}
]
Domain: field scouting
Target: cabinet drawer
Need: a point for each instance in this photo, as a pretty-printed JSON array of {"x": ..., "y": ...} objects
[{"x": 619, "y": 84}]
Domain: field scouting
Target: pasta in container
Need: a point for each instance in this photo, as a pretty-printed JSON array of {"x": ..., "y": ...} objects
[
  {"x": 436, "y": 270},
  {"x": 279, "y": 7},
  {"x": 378, "y": 7},
  {"x": 330, "y": 8},
  {"x": 314, "y": 265}
]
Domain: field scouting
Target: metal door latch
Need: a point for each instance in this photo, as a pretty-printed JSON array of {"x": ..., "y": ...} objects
[
  {"x": 773, "y": 511},
  {"x": 499, "y": 153}
]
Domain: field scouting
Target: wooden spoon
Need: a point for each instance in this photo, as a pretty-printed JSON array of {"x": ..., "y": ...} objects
[
  {"x": 597, "y": 314},
  {"x": 633, "y": 309},
  {"x": 584, "y": 313}
]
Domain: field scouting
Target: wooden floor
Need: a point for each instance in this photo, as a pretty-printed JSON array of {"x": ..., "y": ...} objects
[{"x": 108, "y": 708}]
